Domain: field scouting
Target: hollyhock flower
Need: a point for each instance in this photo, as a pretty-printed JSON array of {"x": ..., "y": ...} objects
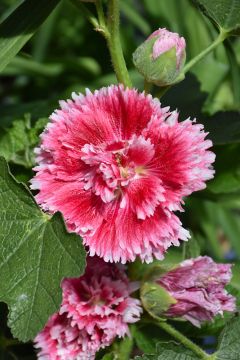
[
  {"x": 198, "y": 286},
  {"x": 117, "y": 164},
  {"x": 95, "y": 309},
  {"x": 161, "y": 57}
]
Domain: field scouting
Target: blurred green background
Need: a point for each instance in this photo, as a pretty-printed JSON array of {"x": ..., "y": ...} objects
[{"x": 66, "y": 55}]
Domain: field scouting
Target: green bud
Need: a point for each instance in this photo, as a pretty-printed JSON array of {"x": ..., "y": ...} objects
[
  {"x": 155, "y": 299},
  {"x": 161, "y": 58}
]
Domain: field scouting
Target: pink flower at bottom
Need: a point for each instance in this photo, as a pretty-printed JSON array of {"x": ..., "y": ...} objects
[
  {"x": 116, "y": 165},
  {"x": 95, "y": 309},
  {"x": 198, "y": 286}
]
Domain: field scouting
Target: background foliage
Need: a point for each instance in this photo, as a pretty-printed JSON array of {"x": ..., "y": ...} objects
[{"x": 64, "y": 55}]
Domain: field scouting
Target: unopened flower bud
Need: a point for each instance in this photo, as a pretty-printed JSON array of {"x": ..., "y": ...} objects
[
  {"x": 161, "y": 57},
  {"x": 194, "y": 291}
]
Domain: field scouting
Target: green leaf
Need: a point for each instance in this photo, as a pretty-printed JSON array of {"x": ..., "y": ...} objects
[
  {"x": 231, "y": 227},
  {"x": 191, "y": 248},
  {"x": 147, "y": 336},
  {"x": 229, "y": 341},
  {"x": 227, "y": 177},
  {"x": 135, "y": 17},
  {"x": 224, "y": 13},
  {"x": 169, "y": 351},
  {"x": 17, "y": 142},
  {"x": 119, "y": 350},
  {"x": 235, "y": 281},
  {"x": 223, "y": 127},
  {"x": 37, "y": 109},
  {"x": 109, "y": 356},
  {"x": 36, "y": 253},
  {"x": 18, "y": 28},
  {"x": 123, "y": 348}
]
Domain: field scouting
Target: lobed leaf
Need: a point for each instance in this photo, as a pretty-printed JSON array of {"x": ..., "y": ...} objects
[
  {"x": 36, "y": 253},
  {"x": 224, "y": 13},
  {"x": 229, "y": 341}
]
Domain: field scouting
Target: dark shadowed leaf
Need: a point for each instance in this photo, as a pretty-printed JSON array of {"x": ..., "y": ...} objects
[{"x": 18, "y": 28}]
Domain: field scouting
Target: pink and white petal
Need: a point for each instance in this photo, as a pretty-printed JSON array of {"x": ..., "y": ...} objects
[
  {"x": 122, "y": 236},
  {"x": 81, "y": 209},
  {"x": 140, "y": 151},
  {"x": 142, "y": 195}
]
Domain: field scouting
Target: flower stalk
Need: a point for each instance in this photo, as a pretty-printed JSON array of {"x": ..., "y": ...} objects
[
  {"x": 110, "y": 31},
  {"x": 114, "y": 44},
  {"x": 183, "y": 340},
  {"x": 221, "y": 37}
]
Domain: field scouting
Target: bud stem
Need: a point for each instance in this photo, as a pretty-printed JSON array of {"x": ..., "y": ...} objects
[
  {"x": 183, "y": 340},
  {"x": 162, "y": 90},
  {"x": 147, "y": 86},
  {"x": 221, "y": 37}
]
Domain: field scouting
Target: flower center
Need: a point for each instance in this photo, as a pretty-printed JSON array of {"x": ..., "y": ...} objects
[{"x": 111, "y": 167}]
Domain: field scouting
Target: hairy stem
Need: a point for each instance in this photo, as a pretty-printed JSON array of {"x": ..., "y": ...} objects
[
  {"x": 100, "y": 13},
  {"x": 114, "y": 44},
  {"x": 221, "y": 37},
  {"x": 183, "y": 340},
  {"x": 111, "y": 33}
]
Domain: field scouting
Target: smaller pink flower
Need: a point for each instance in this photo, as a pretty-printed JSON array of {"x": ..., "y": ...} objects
[
  {"x": 198, "y": 286},
  {"x": 166, "y": 40},
  {"x": 95, "y": 309}
]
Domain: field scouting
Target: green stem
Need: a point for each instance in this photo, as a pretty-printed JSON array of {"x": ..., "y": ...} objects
[
  {"x": 100, "y": 13},
  {"x": 147, "y": 86},
  {"x": 162, "y": 90},
  {"x": 111, "y": 34},
  {"x": 114, "y": 44},
  {"x": 221, "y": 37},
  {"x": 183, "y": 340},
  {"x": 89, "y": 16}
]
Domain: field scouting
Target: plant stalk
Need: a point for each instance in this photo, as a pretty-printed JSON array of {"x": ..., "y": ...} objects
[
  {"x": 221, "y": 37},
  {"x": 114, "y": 44},
  {"x": 183, "y": 340}
]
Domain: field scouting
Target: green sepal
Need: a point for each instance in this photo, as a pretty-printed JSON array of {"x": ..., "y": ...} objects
[{"x": 155, "y": 299}]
